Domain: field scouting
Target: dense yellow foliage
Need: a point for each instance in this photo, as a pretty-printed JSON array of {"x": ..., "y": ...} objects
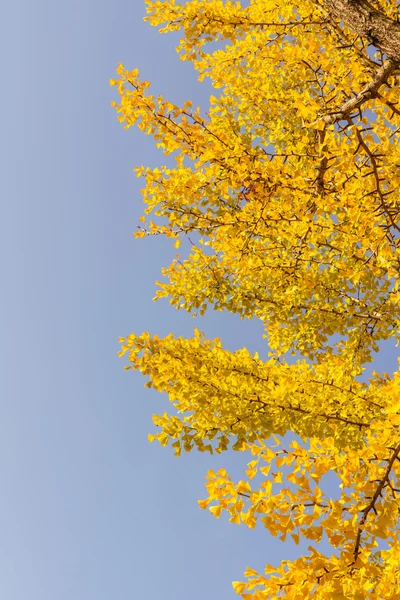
[{"x": 291, "y": 183}]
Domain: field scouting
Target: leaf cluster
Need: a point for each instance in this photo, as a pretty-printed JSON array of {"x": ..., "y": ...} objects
[{"x": 288, "y": 191}]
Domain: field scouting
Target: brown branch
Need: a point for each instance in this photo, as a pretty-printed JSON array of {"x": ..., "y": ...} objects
[
  {"x": 375, "y": 172},
  {"x": 323, "y": 165},
  {"x": 347, "y": 42},
  {"x": 368, "y": 93},
  {"x": 248, "y": 23},
  {"x": 321, "y": 415},
  {"x": 371, "y": 506},
  {"x": 391, "y": 105}
]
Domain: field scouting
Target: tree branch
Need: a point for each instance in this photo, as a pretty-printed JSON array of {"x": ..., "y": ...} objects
[
  {"x": 371, "y": 505},
  {"x": 370, "y": 91}
]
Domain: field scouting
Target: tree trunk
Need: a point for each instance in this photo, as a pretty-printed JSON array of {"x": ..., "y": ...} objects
[{"x": 369, "y": 23}]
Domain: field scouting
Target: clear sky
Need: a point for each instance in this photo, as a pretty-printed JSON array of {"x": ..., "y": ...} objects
[{"x": 88, "y": 509}]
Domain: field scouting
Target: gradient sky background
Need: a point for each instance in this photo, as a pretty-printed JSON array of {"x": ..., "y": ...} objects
[{"x": 88, "y": 509}]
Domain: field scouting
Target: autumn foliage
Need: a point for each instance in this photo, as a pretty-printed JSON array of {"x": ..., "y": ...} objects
[{"x": 289, "y": 187}]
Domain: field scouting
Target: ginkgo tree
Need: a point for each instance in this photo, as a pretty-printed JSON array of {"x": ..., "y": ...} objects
[{"x": 289, "y": 186}]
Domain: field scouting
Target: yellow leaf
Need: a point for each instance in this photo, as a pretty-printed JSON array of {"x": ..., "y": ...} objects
[
  {"x": 238, "y": 586},
  {"x": 216, "y": 511},
  {"x": 251, "y": 473},
  {"x": 235, "y": 519}
]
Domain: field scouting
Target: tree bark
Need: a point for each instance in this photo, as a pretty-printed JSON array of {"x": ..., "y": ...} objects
[
  {"x": 368, "y": 22},
  {"x": 370, "y": 91}
]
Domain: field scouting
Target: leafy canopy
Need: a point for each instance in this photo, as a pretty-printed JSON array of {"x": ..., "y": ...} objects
[{"x": 289, "y": 186}]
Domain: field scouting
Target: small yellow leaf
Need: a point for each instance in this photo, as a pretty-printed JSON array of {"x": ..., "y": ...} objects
[
  {"x": 216, "y": 511},
  {"x": 251, "y": 473},
  {"x": 238, "y": 586},
  {"x": 296, "y": 538},
  {"x": 235, "y": 519}
]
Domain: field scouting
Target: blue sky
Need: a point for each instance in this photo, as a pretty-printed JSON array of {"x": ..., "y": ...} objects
[{"x": 88, "y": 509}]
